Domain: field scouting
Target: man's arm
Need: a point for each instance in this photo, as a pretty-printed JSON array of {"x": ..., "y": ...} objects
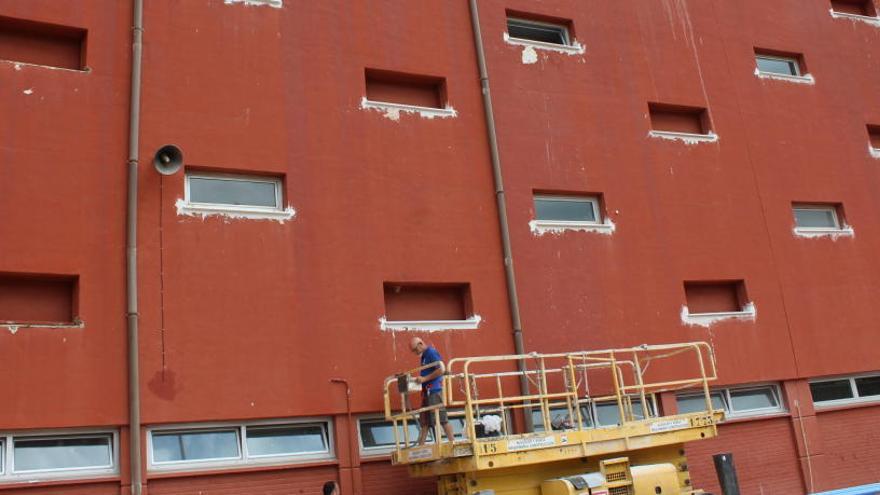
[{"x": 441, "y": 369}]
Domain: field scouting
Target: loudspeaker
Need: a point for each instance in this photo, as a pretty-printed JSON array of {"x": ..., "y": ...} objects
[{"x": 168, "y": 160}]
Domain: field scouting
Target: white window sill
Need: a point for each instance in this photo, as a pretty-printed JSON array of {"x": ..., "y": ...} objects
[
  {"x": 874, "y": 152},
  {"x": 749, "y": 313},
  {"x": 874, "y": 21},
  {"x": 573, "y": 49},
  {"x": 204, "y": 211},
  {"x": 804, "y": 79},
  {"x": 271, "y": 3},
  {"x": 831, "y": 404},
  {"x": 685, "y": 137},
  {"x": 811, "y": 233},
  {"x": 54, "y": 476},
  {"x": 541, "y": 227},
  {"x": 14, "y": 327},
  {"x": 471, "y": 323},
  {"x": 19, "y": 65},
  {"x": 393, "y": 110},
  {"x": 222, "y": 464}
]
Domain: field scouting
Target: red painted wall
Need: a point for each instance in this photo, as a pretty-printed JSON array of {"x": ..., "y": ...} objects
[
  {"x": 852, "y": 446},
  {"x": 246, "y": 319}
]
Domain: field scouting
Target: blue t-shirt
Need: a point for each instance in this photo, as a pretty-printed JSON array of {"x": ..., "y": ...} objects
[{"x": 431, "y": 356}]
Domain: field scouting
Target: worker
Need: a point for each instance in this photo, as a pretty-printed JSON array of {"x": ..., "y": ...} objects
[
  {"x": 331, "y": 488},
  {"x": 431, "y": 379}
]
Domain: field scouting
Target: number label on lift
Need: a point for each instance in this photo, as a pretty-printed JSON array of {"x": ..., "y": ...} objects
[
  {"x": 489, "y": 448},
  {"x": 703, "y": 421}
]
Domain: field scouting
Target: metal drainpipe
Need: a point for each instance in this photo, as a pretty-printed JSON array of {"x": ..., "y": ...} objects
[
  {"x": 131, "y": 280},
  {"x": 510, "y": 277}
]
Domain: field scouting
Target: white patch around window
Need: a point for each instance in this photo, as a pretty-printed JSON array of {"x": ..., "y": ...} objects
[
  {"x": 685, "y": 137},
  {"x": 47, "y": 456},
  {"x": 392, "y": 111},
  {"x": 533, "y": 36},
  {"x": 781, "y": 68},
  {"x": 557, "y": 214},
  {"x": 470, "y": 323},
  {"x": 221, "y": 446},
  {"x": 870, "y": 20},
  {"x": 234, "y": 196},
  {"x": 813, "y": 221},
  {"x": 270, "y": 3},
  {"x": 748, "y": 313}
]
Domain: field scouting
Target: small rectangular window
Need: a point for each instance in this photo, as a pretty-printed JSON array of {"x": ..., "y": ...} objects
[
  {"x": 405, "y": 89},
  {"x": 816, "y": 216},
  {"x": 542, "y": 32},
  {"x": 874, "y": 136},
  {"x": 277, "y": 440},
  {"x": 679, "y": 119},
  {"x": 868, "y": 386},
  {"x": 705, "y": 297},
  {"x": 378, "y": 433},
  {"x": 52, "y": 453},
  {"x": 831, "y": 390},
  {"x": 180, "y": 446},
  {"x": 233, "y": 191},
  {"x": 864, "y": 8},
  {"x": 786, "y": 65},
  {"x": 427, "y": 302},
  {"x": 696, "y": 403},
  {"x": 44, "y": 44},
  {"x": 557, "y": 208},
  {"x": 561, "y": 419},
  {"x": 753, "y": 399},
  {"x": 38, "y": 299}
]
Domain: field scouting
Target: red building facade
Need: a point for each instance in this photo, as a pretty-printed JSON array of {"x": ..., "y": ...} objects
[{"x": 673, "y": 171}]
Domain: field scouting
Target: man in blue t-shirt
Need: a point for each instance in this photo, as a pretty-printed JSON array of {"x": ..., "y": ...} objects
[{"x": 431, "y": 379}]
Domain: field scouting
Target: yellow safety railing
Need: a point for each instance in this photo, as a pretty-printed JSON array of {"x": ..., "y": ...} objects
[{"x": 476, "y": 386}]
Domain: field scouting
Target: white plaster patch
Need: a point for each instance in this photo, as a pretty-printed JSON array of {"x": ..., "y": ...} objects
[
  {"x": 471, "y": 323},
  {"x": 28, "y": 91},
  {"x": 392, "y": 111},
  {"x": 833, "y": 234},
  {"x": 530, "y": 48},
  {"x": 685, "y": 137},
  {"x": 271, "y": 3},
  {"x": 749, "y": 313},
  {"x": 232, "y": 213},
  {"x": 16, "y": 327},
  {"x": 873, "y": 21},
  {"x": 802, "y": 79},
  {"x": 541, "y": 227},
  {"x": 18, "y": 66},
  {"x": 874, "y": 152}
]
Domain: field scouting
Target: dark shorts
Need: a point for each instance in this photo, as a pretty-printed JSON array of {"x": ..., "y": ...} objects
[{"x": 428, "y": 416}]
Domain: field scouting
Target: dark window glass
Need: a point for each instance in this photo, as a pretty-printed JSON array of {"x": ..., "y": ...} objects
[
  {"x": 195, "y": 446},
  {"x": 607, "y": 414},
  {"x": 868, "y": 386},
  {"x": 533, "y": 31},
  {"x": 834, "y": 390},
  {"x": 696, "y": 403},
  {"x": 281, "y": 440},
  {"x": 565, "y": 209},
  {"x": 235, "y": 192},
  {"x": 561, "y": 419},
  {"x": 815, "y": 218},
  {"x": 744, "y": 400},
  {"x": 778, "y": 66},
  {"x": 32, "y": 454},
  {"x": 381, "y": 433}
]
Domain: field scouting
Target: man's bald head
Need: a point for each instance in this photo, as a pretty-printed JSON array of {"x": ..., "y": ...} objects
[{"x": 417, "y": 345}]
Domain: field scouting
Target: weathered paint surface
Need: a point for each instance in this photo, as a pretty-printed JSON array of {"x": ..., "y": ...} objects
[{"x": 245, "y": 319}]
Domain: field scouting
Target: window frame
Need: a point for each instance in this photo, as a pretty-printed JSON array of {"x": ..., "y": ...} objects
[
  {"x": 602, "y": 224},
  {"x": 8, "y": 474},
  {"x": 799, "y": 72},
  {"x": 277, "y": 181},
  {"x": 727, "y": 401},
  {"x": 855, "y": 399},
  {"x": 244, "y": 458},
  {"x": 838, "y": 225},
  {"x": 525, "y": 22}
]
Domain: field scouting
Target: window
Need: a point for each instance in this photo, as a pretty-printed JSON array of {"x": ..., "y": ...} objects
[
  {"x": 601, "y": 414},
  {"x": 396, "y": 92},
  {"x": 38, "y": 300},
  {"x": 537, "y": 31},
  {"x": 705, "y": 297},
  {"x": 42, "y": 44},
  {"x": 244, "y": 196},
  {"x": 561, "y": 212},
  {"x": 243, "y": 444},
  {"x": 874, "y": 140},
  {"x": 839, "y": 391},
  {"x": 863, "y": 8},
  {"x": 778, "y": 65},
  {"x": 677, "y": 122},
  {"x": 377, "y": 435},
  {"x": 25, "y": 457},
  {"x": 736, "y": 402},
  {"x": 817, "y": 219},
  {"x": 417, "y": 306}
]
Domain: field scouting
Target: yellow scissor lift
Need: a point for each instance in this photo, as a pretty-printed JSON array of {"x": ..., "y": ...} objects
[{"x": 641, "y": 453}]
